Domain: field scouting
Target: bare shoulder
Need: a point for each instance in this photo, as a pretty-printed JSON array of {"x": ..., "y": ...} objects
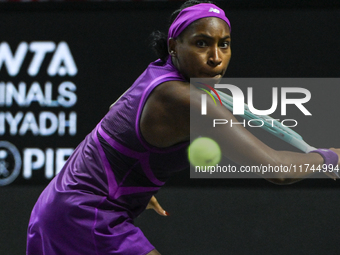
[
  {"x": 173, "y": 91},
  {"x": 165, "y": 119},
  {"x": 176, "y": 95}
]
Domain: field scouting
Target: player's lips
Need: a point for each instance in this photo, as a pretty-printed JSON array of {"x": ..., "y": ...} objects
[{"x": 215, "y": 75}]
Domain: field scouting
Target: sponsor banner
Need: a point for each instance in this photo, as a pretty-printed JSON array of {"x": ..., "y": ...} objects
[
  {"x": 38, "y": 95},
  {"x": 59, "y": 73}
]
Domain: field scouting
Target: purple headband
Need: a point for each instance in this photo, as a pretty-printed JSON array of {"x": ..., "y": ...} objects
[{"x": 193, "y": 13}]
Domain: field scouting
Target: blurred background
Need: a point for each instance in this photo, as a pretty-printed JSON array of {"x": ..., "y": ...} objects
[{"x": 63, "y": 63}]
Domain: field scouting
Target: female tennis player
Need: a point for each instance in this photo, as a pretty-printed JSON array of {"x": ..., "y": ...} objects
[{"x": 111, "y": 177}]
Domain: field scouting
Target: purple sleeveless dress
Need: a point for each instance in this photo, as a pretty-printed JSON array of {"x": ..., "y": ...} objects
[{"x": 89, "y": 207}]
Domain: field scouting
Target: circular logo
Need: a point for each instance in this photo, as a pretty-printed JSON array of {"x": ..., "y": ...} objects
[{"x": 10, "y": 163}]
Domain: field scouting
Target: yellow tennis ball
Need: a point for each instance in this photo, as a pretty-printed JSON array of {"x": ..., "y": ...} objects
[{"x": 204, "y": 151}]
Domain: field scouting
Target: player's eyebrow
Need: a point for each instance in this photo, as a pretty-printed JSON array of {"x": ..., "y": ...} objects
[{"x": 210, "y": 37}]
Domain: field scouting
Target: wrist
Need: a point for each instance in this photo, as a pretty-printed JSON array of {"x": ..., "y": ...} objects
[{"x": 330, "y": 158}]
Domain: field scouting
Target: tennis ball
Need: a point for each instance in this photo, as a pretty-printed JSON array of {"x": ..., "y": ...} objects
[{"x": 204, "y": 151}]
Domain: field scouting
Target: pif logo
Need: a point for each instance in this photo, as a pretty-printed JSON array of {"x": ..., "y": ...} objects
[
  {"x": 238, "y": 99},
  {"x": 10, "y": 163}
]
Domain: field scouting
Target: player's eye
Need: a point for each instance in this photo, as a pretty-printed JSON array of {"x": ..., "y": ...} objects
[
  {"x": 201, "y": 43},
  {"x": 225, "y": 44}
]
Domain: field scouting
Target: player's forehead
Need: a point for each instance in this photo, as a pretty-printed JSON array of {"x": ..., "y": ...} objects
[{"x": 209, "y": 26}]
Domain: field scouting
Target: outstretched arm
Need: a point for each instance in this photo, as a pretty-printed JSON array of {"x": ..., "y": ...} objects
[{"x": 166, "y": 121}]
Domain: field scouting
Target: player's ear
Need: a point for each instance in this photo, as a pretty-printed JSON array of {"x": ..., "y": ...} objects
[{"x": 172, "y": 47}]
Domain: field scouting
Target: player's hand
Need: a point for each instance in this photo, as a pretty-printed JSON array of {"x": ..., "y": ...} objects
[{"x": 153, "y": 204}]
